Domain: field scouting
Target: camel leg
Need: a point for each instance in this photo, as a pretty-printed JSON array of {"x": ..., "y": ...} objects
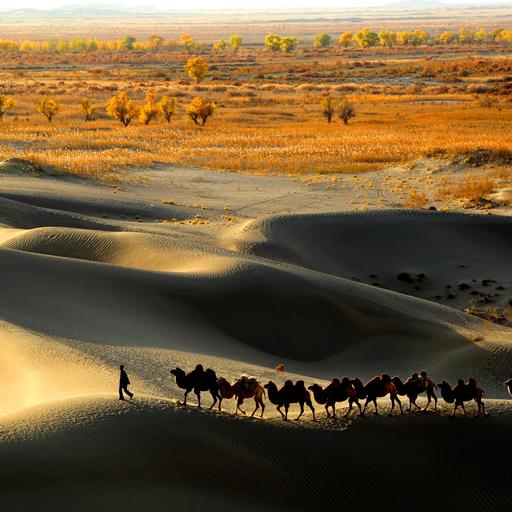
[
  {"x": 301, "y": 411},
  {"x": 327, "y": 410},
  {"x": 286, "y": 406},
  {"x": 463, "y": 408},
  {"x": 262, "y": 409},
  {"x": 368, "y": 400},
  {"x": 455, "y": 408},
  {"x": 198, "y": 394},
  {"x": 214, "y": 396},
  {"x": 279, "y": 411},
  {"x": 400, "y": 405},
  {"x": 310, "y": 405},
  {"x": 220, "y": 403},
  {"x": 435, "y": 403},
  {"x": 256, "y": 408},
  {"x": 185, "y": 397},
  {"x": 392, "y": 406},
  {"x": 375, "y": 403},
  {"x": 350, "y": 403},
  {"x": 239, "y": 402}
]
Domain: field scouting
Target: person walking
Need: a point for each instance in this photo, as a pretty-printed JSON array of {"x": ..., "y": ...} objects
[{"x": 124, "y": 382}]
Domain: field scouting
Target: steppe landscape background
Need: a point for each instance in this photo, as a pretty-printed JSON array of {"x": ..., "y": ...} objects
[{"x": 267, "y": 237}]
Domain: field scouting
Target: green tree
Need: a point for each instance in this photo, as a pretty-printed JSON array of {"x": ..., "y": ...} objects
[
  {"x": 322, "y": 40},
  {"x": 366, "y": 38},
  {"x": 127, "y": 42},
  {"x": 288, "y": 44}
]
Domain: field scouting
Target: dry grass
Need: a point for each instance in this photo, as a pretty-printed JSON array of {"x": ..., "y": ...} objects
[
  {"x": 474, "y": 189},
  {"x": 275, "y": 131}
]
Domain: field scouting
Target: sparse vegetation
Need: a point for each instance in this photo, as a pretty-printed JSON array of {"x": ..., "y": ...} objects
[
  {"x": 88, "y": 109},
  {"x": 121, "y": 108},
  {"x": 328, "y": 108},
  {"x": 6, "y": 104},
  {"x": 197, "y": 69},
  {"x": 48, "y": 107},
  {"x": 200, "y": 110}
]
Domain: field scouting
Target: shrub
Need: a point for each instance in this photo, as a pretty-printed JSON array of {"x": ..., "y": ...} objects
[
  {"x": 88, "y": 109},
  {"x": 121, "y": 108},
  {"x": 328, "y": 108},
  {"x": 199, "y": 110},
  {"x": 197, "y": 69},
  {"x": 167, "y": 107},
  {"x": 322, "y": 40},
  {"x": 346, "y": 111},
  {"x": 149, "y": 110},
  {"x": 48, "y": 107},
  {"x": 6, "y": 104}
]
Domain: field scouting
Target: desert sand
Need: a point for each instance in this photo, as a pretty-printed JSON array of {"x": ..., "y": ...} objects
[{"x": 241, "y": 273}]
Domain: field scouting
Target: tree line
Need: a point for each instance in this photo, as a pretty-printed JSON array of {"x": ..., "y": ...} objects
[
  {"x": 123, "y": 109},
  {"x": 364, "y": 38}
]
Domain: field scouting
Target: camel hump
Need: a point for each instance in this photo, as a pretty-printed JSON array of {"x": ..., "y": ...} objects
[{"x": 375, "y": 380}]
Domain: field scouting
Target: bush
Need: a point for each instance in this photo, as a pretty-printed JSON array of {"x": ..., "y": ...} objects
[{"x": 200, "y": 110}]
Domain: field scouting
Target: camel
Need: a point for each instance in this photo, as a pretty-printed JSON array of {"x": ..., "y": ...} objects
[
  {"x": 336, "y": 391},
  {"x": 461, "y": 393},
  {"x": 377, "y": 387},
  {"x": 290, "y": 394},
  {"x": 244, "y": 387},
  {"x": 508, "y": 384},
  {"x": 411, "y": 388},
  {"x": 197, "y": 380}
]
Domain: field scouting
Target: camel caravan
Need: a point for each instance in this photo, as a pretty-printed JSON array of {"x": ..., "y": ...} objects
[{"x": 354, "y": 392}]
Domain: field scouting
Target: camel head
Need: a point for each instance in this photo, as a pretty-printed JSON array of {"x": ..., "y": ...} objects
[
  {"x": 177, "y": 371},
  {"x": 335, "y": 382},
  {"x": 315, "y": 388},
  {"x": 385, "y": 377},
  {"x": 270, "y": 385},
  {"x": 444, "y": 385}
]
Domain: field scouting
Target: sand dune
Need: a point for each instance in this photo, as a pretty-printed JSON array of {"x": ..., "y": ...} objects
[
  {"x": 149, "y": 448},
  {"x": 86, "y": 286}
]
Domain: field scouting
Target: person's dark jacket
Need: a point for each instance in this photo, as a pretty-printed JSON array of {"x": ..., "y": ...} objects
[{"x": 123, "y": 379}]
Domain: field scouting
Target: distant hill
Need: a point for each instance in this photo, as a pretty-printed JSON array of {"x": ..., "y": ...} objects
[{"x": 417, "y": 4}]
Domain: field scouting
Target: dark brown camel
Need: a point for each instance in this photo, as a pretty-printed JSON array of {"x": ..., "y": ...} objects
[
  {"x": 461, "y": 393},
  {"x": 244, "y": 387},
  {"x": 336, "y": 391},
  {"x": 197, "y": 380},
  {"x": 290, "y": 394},
  {"x": 411, "y": 388},
  {"x": 377, "y": 387}
]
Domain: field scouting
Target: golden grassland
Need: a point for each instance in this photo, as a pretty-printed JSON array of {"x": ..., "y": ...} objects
[
  {"x": 268, "y": 117},
  {"x": 269, "y": 132}
]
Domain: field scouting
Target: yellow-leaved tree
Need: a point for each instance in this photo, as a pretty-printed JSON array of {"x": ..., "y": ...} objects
[
  {"x": 149, "y": 110},
  {"x": 48, "y": 107},
  {"x": 199, "y": 110},
  {"x": 6, "y": 104},
  {"x": 328, "y": 108},
  {"x": 345, "y": 39},
  {"x": 88, "y": 109},
  {"x": 121, "y": 108},
  {"x": 167, "y": 107},
  {"x": 197, "y": 69},
  {"x": 235, "y": 41}
]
